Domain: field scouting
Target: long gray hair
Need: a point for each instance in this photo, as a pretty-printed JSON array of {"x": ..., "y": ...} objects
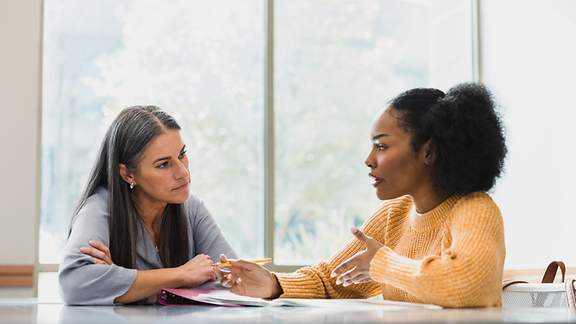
[{"x": 125, "y": 140}]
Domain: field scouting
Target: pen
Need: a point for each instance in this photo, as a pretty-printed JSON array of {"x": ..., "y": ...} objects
[{"x": 227, "y": 264}]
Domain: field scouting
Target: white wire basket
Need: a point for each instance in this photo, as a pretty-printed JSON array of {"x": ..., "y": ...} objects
[
  {"x": 537, "y": 295},
  {"x": 547, "y": 294}
]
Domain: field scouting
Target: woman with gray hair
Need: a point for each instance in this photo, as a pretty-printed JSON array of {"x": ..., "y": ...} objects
[{"x": 137, "y": 229}]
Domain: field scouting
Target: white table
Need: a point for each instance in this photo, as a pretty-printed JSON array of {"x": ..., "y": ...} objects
[{"x": 32, "y": 311}]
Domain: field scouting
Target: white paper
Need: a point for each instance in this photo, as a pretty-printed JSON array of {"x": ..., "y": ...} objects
[{"x": 229, "y": 297}]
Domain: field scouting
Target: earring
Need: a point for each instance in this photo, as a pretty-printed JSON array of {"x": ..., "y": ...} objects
[{"x": 131, "y": 185}]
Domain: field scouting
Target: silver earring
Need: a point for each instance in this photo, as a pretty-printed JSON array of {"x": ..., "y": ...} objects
[{"x": 131, "y": 185}]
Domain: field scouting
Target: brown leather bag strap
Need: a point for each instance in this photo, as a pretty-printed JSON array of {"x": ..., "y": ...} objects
[
  {"x": 551, "y": 271},
  {"x": 507, "y": 283}
]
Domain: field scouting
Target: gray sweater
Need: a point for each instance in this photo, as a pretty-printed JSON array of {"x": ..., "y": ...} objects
[{"x": 83, "y": 282}]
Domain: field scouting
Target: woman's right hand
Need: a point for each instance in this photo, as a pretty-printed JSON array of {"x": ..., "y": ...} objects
[
  {"x": 98, "y": 251},
  {"x": 197, "y": 271},
  {"x": 251, "y": 279}
]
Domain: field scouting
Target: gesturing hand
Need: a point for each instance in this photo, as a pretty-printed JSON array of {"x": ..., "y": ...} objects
[
  {"x": 98, "y": 251},
  {"x": 251, "y": 279},
  {"x": 356, "y": 269}
]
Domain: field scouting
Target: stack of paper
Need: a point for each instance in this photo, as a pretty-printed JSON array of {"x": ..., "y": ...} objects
[{"x": 224, "y": 297}]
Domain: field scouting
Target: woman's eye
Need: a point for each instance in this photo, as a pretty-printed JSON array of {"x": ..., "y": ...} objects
[
  {"x": 182, "y": 155},
  {"x": 381, "y": 147},
  {"x": 162, "y": 165}
]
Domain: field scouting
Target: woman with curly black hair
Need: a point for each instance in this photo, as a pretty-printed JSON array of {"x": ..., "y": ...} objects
[{"x": 438, "y": 237}]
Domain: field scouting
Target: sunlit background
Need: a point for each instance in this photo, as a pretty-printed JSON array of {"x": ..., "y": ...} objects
[
  {"x": 335, "y": 68},
  {"x": 335, "y": 65}
]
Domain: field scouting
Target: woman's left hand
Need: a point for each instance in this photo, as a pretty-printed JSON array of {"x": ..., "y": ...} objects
[
  {"x": 98, "y": 251},
  {"x": 356, "y": 269}
]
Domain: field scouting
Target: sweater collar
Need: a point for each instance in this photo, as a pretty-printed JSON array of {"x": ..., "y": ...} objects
[{"x": 434, "y": 217}]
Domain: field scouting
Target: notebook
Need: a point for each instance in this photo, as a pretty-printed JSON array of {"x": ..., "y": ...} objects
[{"x": 223, "y": 297}]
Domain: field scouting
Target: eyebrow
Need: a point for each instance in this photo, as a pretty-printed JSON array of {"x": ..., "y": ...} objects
[
  {"x": 167, "y": 157},
  {"x": 375, "y": 138}
]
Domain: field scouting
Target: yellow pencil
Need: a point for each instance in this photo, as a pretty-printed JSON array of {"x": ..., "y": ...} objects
[{"x": 228, "y": 265}]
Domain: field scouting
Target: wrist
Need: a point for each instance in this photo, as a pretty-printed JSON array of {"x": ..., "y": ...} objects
[{"x": 178, "y": 277}]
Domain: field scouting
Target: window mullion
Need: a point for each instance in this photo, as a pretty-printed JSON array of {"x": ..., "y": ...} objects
[{"x": 269, "y": 132}]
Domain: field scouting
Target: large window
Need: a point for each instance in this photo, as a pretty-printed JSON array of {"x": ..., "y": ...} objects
[
  {"x": 333, "y": 69},
  {"x": 200, "y": 60}
]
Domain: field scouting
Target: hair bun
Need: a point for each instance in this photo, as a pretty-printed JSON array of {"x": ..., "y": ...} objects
[{"x": 470, "y": 96}]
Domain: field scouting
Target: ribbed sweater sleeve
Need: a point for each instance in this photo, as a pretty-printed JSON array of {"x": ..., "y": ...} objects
[
  {"x": 315, "y": 281},
  {"x": 468, "y": 270}
]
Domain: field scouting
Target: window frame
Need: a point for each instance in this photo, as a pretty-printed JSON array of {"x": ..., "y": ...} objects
[{"x": 268, "y": 132}]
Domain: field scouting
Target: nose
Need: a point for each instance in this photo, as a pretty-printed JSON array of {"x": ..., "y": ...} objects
[
  {"x": 181, "y": 170},
  {"x": 369, "y": 162}
]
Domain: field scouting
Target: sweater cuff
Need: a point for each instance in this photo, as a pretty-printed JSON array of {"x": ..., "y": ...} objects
[
  {"x": 391, "y": 268},
  {"x": 123, "y": 287},
  {"x": 298, "y": 285}
]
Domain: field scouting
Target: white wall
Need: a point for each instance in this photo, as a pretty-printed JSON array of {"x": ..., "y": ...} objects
[
  {"x": 529, "y": 61},
  {"x": 20, "y": 72}
]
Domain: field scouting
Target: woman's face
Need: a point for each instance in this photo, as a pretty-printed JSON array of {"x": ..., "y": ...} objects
[
  {"x": 162, "y": 174},
  {"x": 395, "y": 168}
]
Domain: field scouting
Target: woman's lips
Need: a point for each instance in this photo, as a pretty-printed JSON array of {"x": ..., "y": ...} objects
[
  {"x": 183, "y": 186},
  {"x": 376, "y": 180}
]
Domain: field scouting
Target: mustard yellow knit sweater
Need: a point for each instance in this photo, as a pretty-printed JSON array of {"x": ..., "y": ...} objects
[{"x": 452, "y": 256}]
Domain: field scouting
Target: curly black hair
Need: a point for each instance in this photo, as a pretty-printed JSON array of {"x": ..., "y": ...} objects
[{"x": 464, "y": 131}]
